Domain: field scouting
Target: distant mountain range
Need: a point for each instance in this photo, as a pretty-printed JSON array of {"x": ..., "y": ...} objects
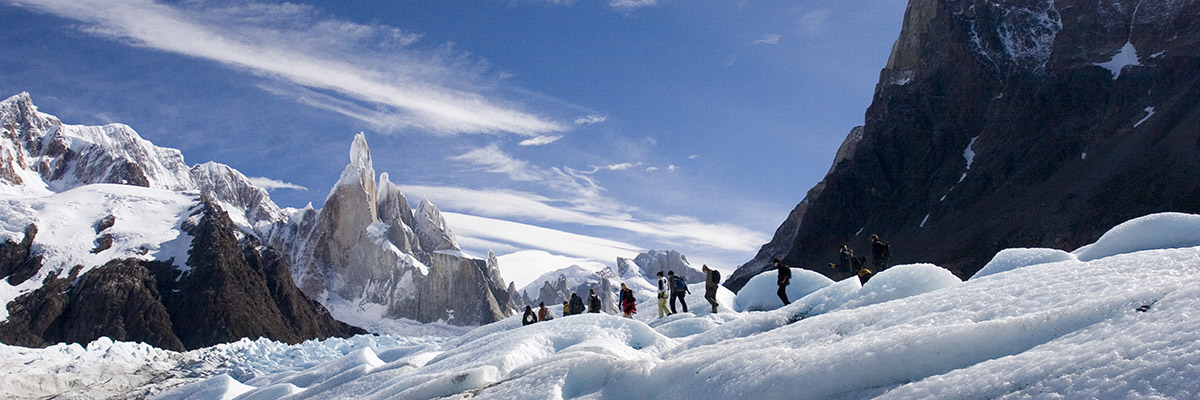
[
  {"x": 1003, "y": 124},
  {"x": 106, "y": 234}
]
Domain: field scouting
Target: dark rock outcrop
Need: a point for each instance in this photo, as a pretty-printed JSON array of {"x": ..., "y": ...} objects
[
  {"x": 235, "y": 290},
  {"x": 17, "y": 263},
  {"x": 119, "y": 300},
  {"x": 1001, "y": 124}
]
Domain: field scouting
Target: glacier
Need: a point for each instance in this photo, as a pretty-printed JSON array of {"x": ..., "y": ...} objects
[{"x": 1113, "y": 320}]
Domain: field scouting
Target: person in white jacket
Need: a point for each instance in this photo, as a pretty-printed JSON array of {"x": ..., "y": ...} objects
[{"x": 663, "y": 292}]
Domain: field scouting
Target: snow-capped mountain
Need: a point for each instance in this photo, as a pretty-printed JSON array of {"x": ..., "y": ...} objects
[
  {"x": 999, "y": 124},
  {"x": 99, "y": 217},
  {"x": 368, "y": 250},
  {"x": 638, "y": 273}
]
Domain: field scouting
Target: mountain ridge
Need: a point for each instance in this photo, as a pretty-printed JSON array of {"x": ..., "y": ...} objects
[{"x": 986, "y": 108}]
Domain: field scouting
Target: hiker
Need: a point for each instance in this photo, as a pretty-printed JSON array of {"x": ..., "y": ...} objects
[
  {"x": 864, "y": 275},
  {"x": 663, "y": 288},
  {"x": 846, "y": 257},
  {"x": 566, "y": 308},
  {"x": 712, "y": 279},
  {"x": 880, "y": 253},
  {"x": 576, "y": 304},
  {"x": 785, "y": 278},
  {"x": 529, "y": 317},
  {"x": 678, "y": 290},
  {"x": 593, "y": 301},
  {"x": 628, "y": 303},
  {"x": 544, "y": 314}
]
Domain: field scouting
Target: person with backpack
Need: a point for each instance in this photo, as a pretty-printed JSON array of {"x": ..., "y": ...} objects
[
  {"x": 785, "y": 278},
  {"x": 664, "y": 288},
  {"x": 712, "y": 280},
  {"x": 880, "y": 253},
  {"x": 846, "y": 261},
  {"x": 593, "y": 301},
  {"x": 576, "y": 304},
  {"x": 544, "y": 314},
  {"x": 529, "y": 317},
  {"x": 678, "y": 290}
]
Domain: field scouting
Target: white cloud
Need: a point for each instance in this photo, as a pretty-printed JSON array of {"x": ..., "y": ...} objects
[
  {"x": 591, "y": 119},
  {"x": 693, "y": 156},
  {"x": 272, "y": 184},
  {"x": 578, "y": 186},
  {"x": 771, "y": 39},
  {"x": 613, "y": 167},
  {"x": 631, "y": 4},
  {"x": 672, "y": 168},
  {"x": 813, "y": 23},
  {"x": 580, "y": 247},
  {"x": 297, "y": 45},
  {"x": 651, "y": 169},
  {"x": 492, "y": 159},
  {"x": 534, "y": 208},
  {"x": 540, "y": 140},
  {"x": 523, "y": 267}
]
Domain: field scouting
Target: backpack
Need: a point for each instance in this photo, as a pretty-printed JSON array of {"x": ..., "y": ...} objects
[
  {"x": 576, "y": 304},
  {"x": 679, "y": 284},
  {"x": 716, "y": 276}
]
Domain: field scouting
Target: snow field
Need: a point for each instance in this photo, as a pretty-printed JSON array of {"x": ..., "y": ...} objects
[
  {"x": 147, "y": 227},
  {"x": 1042, "y": 324},
  {"x": 759, "y": 292}
]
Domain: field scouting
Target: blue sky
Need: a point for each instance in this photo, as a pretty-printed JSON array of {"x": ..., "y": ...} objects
[{"x": 553, "y": 132}]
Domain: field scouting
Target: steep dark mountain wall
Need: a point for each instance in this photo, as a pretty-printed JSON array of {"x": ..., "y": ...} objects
[
  {"x": 234, "y": 288},
  {"x": 994, "y": 125}
]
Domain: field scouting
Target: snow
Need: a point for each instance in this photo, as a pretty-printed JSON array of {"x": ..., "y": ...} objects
[
  {"x": 575, "y": 275},
  {"x": 1010, "y": 259},
  {"x": 969, "y": 152},
  {"x": 1155, "y": 231},
  {"x": 1149, "y": 113},
  {"x": 969, "y": 155},
  {"x": 522, "y": 268},
  {"x": 1125, "y": 57},
  {"x": 148, "y": 226},
  {"x": 759, "y": 293},
  {"x": 1115, "y": 319}
]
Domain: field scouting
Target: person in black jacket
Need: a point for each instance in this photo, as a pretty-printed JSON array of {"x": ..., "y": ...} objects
[
  {"x": 785, "y": 278},
  {"x": 529, "y": 317},
  {"x": 880, "y": 253},
  {"x": 593, "y": 301},
  {"x": 712, "y": 280},
  {"x": 679, "y": 290},
  {"x": 576, "y": 304},
  {"x": 846, "y": 258}
]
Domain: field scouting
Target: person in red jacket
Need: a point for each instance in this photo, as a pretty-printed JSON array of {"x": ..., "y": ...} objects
[{"x": 628, "y": 303}]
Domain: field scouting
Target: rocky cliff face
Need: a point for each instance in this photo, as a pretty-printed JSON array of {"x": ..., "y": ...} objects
[
  {"x": 368, "y": 246},
  {"x": 1017, "y": 123}
]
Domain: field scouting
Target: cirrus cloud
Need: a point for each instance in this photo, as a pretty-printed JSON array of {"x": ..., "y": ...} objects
[{"x": 294, "y": 44}]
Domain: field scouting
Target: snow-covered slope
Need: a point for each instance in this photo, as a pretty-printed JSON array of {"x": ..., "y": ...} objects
[
  {"x": 145, "y": 224},
  {"x": 1118, "y": 326}
]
